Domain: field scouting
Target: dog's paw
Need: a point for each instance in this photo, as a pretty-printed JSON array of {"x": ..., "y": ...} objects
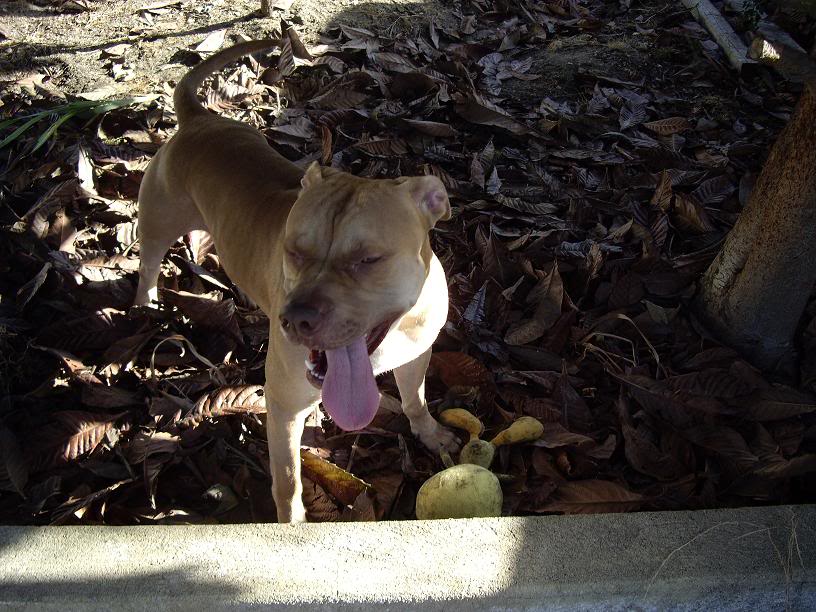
[{"x": 436, "y": 437}]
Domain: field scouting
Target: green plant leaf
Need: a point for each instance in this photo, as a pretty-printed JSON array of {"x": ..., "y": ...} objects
[
  {"x": 53, "y": 128},
  {"x": 20, "y": 130},
  {"x": 65, "y": 112}
]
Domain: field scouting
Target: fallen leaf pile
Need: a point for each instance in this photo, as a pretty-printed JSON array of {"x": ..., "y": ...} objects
[{"x": 591, "y": 183}]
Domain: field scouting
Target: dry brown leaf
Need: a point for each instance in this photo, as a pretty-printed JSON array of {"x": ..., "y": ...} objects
[
  {"x": 626, "y": 291},
  {"x": 159, "y": 450},
  {"x": 102, "y": 396},
  {"x": 337, "y": 482},
  {"x": 668, "y": 126},
  {"x": 27, "y": 291},
  {"x": 525, "y": 207},
  {"x": 723, "y": 441},
  {"x": 460, "y": 370},
  {"x": 477, "y": 172},
  {"x": 383, "y": 148},
  {"x": 657, "y": 399},
  {"x": 690, "y": 214},
  {"x": 227, "y": 400},
  {"x": 662, "y": 197},
  {"x": 205, "y": 311},
  {"x": 70, "y": 434},
  {"x": 286, "y": 60},
  {"x": 573, "y": 408},
  {"x": 592, "y": 496},
  {"x": 556, "y": 435},
  {"x": 339, "y": 98},
  {"x": 213, "y": 42},
  {"x": 714, "y": 190},
  {"x": 525, "y": 332},
  {"x": 484, "y": 113},
  {"x": 431, "y": 128},
  {"x": 335, "y": 64},
  {"x": 106, "y": 268},
  {"x": 299, "y": 50},
  {"x": 392, "y": 62},
  {"x": 711, "y": 382},
  {"x": 125, "y": 350},
  {"x": 12, "y": 461},
  {"x": 642, "y": 454},
  {"x": 776, "y": 403},
  {"x": 474, "y": 314},
  {"x": 319, "y": 506},
  {"x": 631, "y": 116}
]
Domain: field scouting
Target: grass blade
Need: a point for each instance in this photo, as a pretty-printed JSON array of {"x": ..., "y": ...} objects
[
  {"x": 19, "y": 131},
  {"x": 53, "y": 128}
]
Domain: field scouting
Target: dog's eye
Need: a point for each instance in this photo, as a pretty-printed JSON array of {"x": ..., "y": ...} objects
[{"x": 371, "y": 259}]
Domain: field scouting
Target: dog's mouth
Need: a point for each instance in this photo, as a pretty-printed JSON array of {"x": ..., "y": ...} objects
[
  {"x": 317, "y": 363},
  {"x": 346, "y": 378}
]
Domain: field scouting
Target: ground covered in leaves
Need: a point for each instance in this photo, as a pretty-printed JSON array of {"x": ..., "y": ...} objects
[{"x": 595, "y": 153}]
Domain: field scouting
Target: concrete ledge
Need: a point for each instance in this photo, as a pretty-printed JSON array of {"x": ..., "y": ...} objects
[{"x": 745, "y": 559}]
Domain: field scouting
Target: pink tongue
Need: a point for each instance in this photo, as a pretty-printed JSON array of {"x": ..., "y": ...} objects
[{"x": 350, "y": 392}]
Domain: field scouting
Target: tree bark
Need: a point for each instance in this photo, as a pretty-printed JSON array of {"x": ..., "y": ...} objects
[{"x": 756, "y": 289}]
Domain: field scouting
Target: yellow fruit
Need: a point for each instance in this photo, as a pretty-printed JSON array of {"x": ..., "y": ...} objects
[
  {"x": 461, "y": 418},
  {"x": 461, "y": 491},
  {"x": 478, "y": 452},
  {"x": 525, "y": 429}
]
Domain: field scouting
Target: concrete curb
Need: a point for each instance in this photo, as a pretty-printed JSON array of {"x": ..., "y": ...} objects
[{"x": 743, "y": 559}]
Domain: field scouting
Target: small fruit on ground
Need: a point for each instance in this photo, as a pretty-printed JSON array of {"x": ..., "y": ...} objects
[
  {"x": 525, "y": 429},
  {"x": 463, "y": 419},
  {"x": 477, "y": 452}
]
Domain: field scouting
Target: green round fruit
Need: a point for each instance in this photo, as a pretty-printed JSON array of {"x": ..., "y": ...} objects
[
  {"x": 478, "y": 452},
  {"x": 461, "y": 491}
]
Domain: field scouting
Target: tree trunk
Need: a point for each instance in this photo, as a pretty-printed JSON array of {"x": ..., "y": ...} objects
[{"x": 755, "y": 291}]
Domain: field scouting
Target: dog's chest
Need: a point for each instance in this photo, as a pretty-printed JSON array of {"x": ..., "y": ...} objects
[
  {"x": 401, "y": 346},
  {"x": 418, "y": 329}
]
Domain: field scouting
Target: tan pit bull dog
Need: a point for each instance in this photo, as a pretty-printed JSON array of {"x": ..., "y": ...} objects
[{"x": 342, "y": 266}]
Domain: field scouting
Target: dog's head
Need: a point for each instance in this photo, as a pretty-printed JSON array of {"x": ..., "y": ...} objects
[{"x": 357, "y": 254}]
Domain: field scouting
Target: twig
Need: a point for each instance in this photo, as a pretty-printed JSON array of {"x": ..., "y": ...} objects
[
  {"x": 734, "y": 49},
  {"x": 351, "y": 454},
  {"x": 177, "y": 339}
]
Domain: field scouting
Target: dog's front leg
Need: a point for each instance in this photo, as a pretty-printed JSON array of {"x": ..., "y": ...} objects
[
  {"x": 410, "y": 379},
  {"x": 284, "y": 430},
  {"x": 289, "y": 399}
]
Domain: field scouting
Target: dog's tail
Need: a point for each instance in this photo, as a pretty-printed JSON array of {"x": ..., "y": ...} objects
[{"x": 185, "y": 99}]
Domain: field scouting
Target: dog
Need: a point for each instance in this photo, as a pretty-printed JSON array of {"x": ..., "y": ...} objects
[{"x": 342, "y": 266}]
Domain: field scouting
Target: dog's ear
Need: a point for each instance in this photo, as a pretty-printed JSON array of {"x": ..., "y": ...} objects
[
  {"x": 312, "y": 176},
  {"x": 430, "y": 195}
]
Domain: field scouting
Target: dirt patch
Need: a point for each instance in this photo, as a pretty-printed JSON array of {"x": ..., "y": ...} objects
[
  {"x": 72, "y": 49},
  {"x": 563, "y": 62}
]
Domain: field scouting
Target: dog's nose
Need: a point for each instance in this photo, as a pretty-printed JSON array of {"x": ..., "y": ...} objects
[{"x": 304, "y": 319}]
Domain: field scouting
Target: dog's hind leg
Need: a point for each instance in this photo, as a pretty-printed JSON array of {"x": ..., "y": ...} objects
[
  {"x": 163, "y": 219},
  {"x": 410, "y": 379}
]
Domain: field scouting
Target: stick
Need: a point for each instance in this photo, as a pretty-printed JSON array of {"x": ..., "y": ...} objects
[{"x": 734, "y": 49}]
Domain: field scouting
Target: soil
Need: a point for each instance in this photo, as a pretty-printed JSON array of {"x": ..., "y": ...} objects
[{"x": 69, "y": 46}]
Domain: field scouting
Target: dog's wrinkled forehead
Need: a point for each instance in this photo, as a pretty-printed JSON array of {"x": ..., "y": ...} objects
[{"x": 343, "y": 213}]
